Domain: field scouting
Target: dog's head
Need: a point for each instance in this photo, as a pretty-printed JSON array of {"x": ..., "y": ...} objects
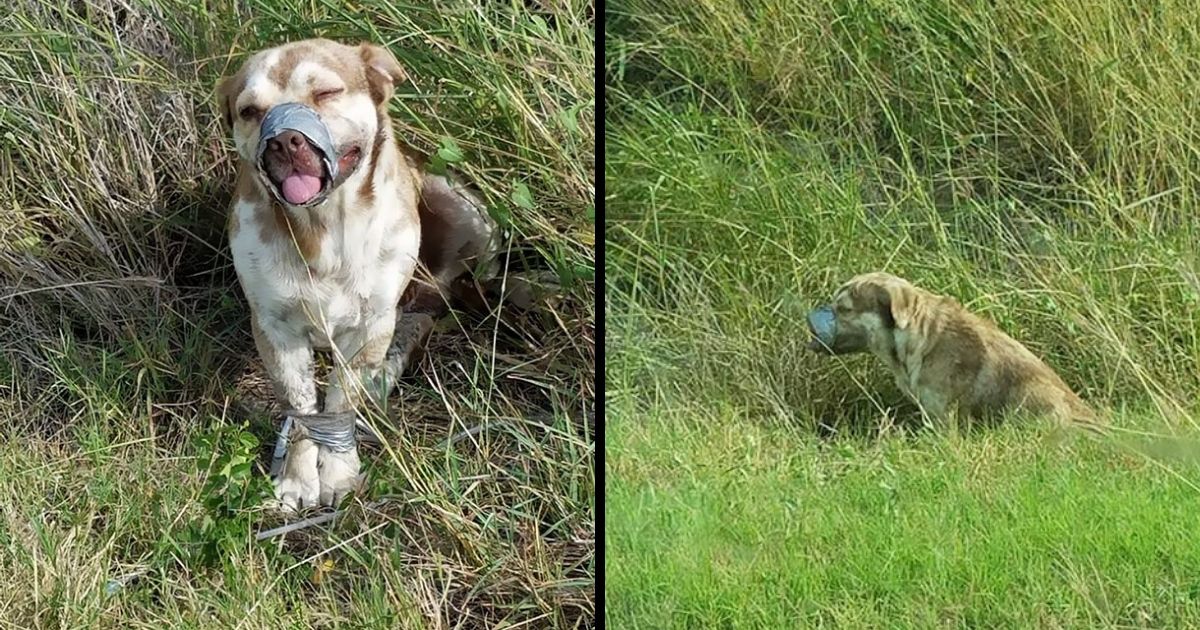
[
  {"x": 335, "y": 114},
  {"x": 864, "y": 313}
]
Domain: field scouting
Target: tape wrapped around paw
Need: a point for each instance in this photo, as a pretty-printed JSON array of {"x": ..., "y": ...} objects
[{"x": 338, "y": 431}]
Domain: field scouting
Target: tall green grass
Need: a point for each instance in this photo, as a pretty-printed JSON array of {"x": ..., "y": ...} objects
[
  {"x": 126, "y": 363},
  {"x": 1033, "y": 160},
  {"x": 1036, "y": 160}
]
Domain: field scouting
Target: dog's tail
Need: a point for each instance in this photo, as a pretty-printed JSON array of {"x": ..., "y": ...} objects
[{"x": 1078, "y": 415}]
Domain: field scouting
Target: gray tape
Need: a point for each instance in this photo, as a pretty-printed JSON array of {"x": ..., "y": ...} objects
[
  {"x": 823, "y": 324},
  {"x": 338, "y": 431},
  {"x": 281, "y": 446},
  {"x": 307, "y": 122},
  {"x": 334, "y": 430}
]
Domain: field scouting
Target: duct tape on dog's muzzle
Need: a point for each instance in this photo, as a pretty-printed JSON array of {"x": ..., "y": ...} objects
[
  {"x": 823, "y": 324},
  {"x": 307, "y": 122}
]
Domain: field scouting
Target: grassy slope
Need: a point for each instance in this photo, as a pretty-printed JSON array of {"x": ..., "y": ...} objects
[
  {"x": 1035, "y": 161},
  {"x": 127, "y": 349}
]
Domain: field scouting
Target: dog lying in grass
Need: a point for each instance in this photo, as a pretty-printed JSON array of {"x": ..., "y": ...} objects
[{"x": 951, "y": 362}]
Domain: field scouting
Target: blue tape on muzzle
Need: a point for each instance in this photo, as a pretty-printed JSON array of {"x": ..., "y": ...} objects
[
  {"x": 823, "y": 325},
  {"x": 307, "y": 122}
]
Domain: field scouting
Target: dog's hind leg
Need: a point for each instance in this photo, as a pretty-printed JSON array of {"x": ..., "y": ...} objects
[
  {"x": 457, "y": 241},
  {"x": 458, "y": 237},
  {"x": 407, "y": 347},
  {"x": 459, "y": 267}
]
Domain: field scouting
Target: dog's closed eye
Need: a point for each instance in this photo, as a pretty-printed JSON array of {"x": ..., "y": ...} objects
[
  {"x": 324, "y": 95},
  {"x": 250, "y": 112}
]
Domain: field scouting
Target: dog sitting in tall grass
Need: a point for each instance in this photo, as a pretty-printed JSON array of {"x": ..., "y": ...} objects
[
  {"x": 948, "y": 360},
  {"x": 329, "y": 222}
]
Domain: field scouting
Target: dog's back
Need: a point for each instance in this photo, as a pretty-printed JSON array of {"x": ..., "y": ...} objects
[{"x": 1012, "y": 378}]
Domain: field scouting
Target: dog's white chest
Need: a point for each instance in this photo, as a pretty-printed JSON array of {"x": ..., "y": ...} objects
[{"x": 361, "y": 267}]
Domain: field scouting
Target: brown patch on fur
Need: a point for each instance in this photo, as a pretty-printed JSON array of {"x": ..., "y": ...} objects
[
  {"x": 273, "y": 220},
  {"x": 248, "y": 189},
  {"x": 292, "y": 55},
  {"x": 366, "y": 192},
  {"x": 948, "y": 359},
  {"x": 435, "y": 232},
  {"x": 307, "y": 234},
  {"x": 235, "y": 225},
  {"x": 415, "y": 167},
  {"x": 245, "y": 190},
  {"x": 345, "y": 61},
  {"x": 340, "y": 59},
  {"x": 382, "y": 129},
  {"x": 363, "y": 68}
]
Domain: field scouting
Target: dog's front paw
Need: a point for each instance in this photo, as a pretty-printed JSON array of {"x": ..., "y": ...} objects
[
  {"x": 298, "y": 486},
  {"x": 339, "y": 474}
]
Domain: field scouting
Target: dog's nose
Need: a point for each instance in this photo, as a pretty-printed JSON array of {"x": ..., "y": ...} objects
[{"x": 286, "y": 143}]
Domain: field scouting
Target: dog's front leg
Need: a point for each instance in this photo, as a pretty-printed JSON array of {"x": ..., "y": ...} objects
[
  {"x": 288, "y": 359},
  {"x": 359, "y": 359},
  {"x": 936, "y": 408}
]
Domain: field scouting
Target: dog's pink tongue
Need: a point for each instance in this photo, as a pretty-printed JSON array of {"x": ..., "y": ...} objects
[{"x": 300, "y": 188}]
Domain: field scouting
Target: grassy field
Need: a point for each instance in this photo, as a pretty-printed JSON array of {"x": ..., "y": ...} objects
[
  {"x": 132, "y": 469},
  {"x": 1037, "y": 160}
]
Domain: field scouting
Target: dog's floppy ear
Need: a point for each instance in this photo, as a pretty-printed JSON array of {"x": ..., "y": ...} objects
[
  {"x": 383, "y": 71},
  {"x": 225, "y": 97},
  {"x": 900, "y": 300}
]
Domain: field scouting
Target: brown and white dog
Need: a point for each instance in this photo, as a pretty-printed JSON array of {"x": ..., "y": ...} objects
[
  {"x": 330, "y": 275},
  {"x": 950, "y": 361}
]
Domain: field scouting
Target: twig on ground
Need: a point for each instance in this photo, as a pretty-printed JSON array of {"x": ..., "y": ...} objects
[
  {"x": 291, "y": 527},
  {"x": 309, "y": 522}
]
